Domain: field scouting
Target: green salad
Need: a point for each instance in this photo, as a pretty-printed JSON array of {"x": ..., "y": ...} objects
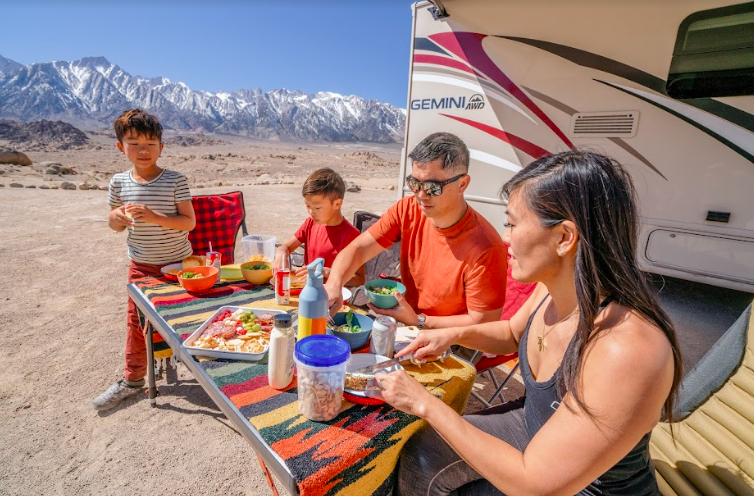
[
  {"x": 256, "y": 266},
  {"x": 383, "y": 290},
  {"x": 349, "y": 326}
]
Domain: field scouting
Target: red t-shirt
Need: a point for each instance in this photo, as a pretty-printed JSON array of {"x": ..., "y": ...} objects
[
  {"x": 446, "y": 271},
  {"x": 325, "y": 241}
]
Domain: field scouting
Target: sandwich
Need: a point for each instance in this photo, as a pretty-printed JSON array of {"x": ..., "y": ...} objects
[{"x": 193, "y": 261}]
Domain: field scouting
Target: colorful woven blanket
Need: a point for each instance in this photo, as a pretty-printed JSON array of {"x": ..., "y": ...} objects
[{"x": 354, "y": 454}]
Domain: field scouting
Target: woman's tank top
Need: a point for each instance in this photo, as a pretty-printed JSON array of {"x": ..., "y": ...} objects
[{"x": 633, "y": 475}]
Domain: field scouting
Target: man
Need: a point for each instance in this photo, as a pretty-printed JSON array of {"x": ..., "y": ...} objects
[{"x": 453, "y": 262}]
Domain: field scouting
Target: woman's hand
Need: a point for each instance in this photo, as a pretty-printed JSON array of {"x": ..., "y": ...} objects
[
  {"x": 401, "y": 313},
  {"x": 404, "y": 392},
  {"x": 429, "y": 343}
]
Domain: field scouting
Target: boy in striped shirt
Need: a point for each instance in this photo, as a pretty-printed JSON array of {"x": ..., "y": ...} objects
[{"x": 154, "y": 204}]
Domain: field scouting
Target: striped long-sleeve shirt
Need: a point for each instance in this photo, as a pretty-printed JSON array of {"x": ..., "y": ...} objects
[{"x": 150, "y": 243}]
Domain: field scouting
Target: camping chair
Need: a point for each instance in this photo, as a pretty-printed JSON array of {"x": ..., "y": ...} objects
[
  {"x": 713, "y": 449},
  {"x": 516, "y": 294},
  {"x": 218, "y": 218},
  {"x": 385, "y": 265}
]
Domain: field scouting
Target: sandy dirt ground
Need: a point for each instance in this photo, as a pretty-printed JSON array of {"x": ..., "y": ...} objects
[{"x": 62, "y": 301}]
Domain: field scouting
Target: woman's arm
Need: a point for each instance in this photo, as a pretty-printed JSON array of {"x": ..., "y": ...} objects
[{"x": 572, "y": 449}]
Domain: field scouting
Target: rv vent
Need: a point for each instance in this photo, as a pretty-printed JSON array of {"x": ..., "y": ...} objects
[{"x": 605, "y": 124}]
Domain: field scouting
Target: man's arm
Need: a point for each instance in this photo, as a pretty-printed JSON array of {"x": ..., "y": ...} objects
[
  {"x": 348, "y": 262},
  {"x": 406, "y": 314}
]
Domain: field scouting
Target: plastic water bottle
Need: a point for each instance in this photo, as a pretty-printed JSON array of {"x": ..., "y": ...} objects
[{"x": 313, "y": 302}]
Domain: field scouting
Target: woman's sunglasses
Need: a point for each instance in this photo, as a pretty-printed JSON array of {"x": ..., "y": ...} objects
[{"x": 430, "y": 188}]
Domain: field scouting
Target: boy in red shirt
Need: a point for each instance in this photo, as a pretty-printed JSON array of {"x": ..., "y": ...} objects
[{"x": 325, "y": 232}]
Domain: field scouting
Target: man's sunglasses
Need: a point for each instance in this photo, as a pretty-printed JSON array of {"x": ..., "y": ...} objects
[{"x": 430, "y": 188}]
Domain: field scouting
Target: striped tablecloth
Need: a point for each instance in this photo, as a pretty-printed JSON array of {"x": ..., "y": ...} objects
[{"x": 355, "y": 453}]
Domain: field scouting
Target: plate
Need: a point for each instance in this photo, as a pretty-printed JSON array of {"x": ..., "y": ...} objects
[
  {"x": 360, "y": 360},
  {"x": 231, "y": 355},
  {"x": 297, "y": 291},
  {"x": 165, "y": 271}
]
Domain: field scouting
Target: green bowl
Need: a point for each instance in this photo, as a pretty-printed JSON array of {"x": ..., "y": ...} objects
[
  {"x": 355, "y": 339},
  {"x": 381, "y": 300}
]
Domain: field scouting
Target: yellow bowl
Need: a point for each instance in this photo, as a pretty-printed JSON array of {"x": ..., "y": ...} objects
[{"x": 259, "y": 276}]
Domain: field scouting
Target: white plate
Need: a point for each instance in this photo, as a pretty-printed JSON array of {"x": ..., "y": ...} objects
[
  {"x": 231, "y": 355},
  {"x": 168, "y": 268},
  {"x": 345, "y": 291},
  {"x": 360, "y": 360}
]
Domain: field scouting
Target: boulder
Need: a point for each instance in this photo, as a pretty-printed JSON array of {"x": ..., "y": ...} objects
[
  {"x": 67, "y": 185},
  {"x": 268, "y": 179},
  {"x": 16, "y": 185},
  {"x": 84, "y": 186},
  {"x": 44, "y": 186},
  {"x": 352, "y": 187},
  {"x": 15, "y": 158},
  {"x": 31, "y": 186}
]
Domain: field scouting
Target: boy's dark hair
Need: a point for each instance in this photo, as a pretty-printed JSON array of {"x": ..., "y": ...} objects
[
  {"x": 449, "y": 147},
  {"x": 138, "y": 121},
  {"x": 325, "y": 182}
]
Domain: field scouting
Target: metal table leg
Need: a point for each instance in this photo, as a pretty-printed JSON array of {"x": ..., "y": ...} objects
[{"x": 150, "y": 366}]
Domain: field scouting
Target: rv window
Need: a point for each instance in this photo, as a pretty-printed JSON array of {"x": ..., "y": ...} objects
[{"x": 714, "y": 54}]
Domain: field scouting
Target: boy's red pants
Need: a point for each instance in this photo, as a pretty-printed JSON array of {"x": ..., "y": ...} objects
[{"x": 136, "y": 347}]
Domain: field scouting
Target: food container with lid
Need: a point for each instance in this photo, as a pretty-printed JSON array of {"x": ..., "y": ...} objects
[
  {"x": 258, "y": 247},
  {"x": 321, "y": 362}
]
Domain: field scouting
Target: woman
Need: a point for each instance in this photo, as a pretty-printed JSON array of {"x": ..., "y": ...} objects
[{"x": 598, "y": 355}]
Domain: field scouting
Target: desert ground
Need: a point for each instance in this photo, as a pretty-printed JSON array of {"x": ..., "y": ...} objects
[{"x": 63, "y": 304}]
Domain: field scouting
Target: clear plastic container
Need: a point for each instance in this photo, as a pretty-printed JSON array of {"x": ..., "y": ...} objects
[
  {"x": 259, "y": 244},
  {"x": 321, "y": 362}
]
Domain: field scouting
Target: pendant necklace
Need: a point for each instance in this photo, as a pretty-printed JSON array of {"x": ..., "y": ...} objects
[{"x": 542, "y": 344}]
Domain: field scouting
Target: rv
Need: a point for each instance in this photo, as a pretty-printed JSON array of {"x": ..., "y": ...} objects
[{"x": 666, "y": 88}]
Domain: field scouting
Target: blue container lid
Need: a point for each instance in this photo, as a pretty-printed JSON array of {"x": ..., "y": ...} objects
[{"x": 322, "y": 350}]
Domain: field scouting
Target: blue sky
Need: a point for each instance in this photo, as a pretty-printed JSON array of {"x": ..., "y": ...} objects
[{"x": 356, "y": 47}]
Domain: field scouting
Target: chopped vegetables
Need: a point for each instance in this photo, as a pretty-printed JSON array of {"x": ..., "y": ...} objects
[
  {"x": 349, "y": 326},
  {"x": 256, "y": 266},
  {"x": 383, "y": 290},
  {"x": 191, "y": 275}
]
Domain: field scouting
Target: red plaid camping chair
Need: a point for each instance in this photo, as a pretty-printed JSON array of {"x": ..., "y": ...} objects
[
  {"x": 218, "y": 218},
  {"x": 516, "y": 294}
]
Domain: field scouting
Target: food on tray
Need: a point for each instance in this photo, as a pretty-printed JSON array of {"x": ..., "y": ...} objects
[
  {"x": 193, "y": 261},
  {"x": 349, "y": 326},
  {"x": 383, "y": 290},
  {"x": 241, "y": 330},
  {"x": 358, "y": 382}
]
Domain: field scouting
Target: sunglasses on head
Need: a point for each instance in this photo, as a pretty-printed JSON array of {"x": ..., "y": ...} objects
[{"x": 431, "y": 188}]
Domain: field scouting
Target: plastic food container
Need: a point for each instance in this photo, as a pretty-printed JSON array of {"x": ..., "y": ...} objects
[
  {"x": 258, "y": 244},
  {"x": 321, "y": 362}
]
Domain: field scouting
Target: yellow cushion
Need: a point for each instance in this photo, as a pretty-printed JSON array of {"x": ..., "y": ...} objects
[{"x": 713, "y": 450}]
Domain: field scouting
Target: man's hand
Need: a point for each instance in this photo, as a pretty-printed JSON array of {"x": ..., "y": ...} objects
[
  {"x": 334, "y": 297},
  {"x": 141, "y": 213},
  {"x": 402, "y": 313}
]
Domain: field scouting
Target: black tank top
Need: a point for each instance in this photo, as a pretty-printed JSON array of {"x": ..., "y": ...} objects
[{"x": 633, "y": 475}]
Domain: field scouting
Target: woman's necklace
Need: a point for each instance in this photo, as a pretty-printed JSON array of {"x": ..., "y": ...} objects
[{"x": 545, "y": 331}]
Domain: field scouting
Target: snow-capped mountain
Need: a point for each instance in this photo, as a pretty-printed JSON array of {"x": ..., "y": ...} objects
[{"x": 91, "y": 92}]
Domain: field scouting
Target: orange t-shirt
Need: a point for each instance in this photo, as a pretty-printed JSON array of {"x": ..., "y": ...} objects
[{"x": 446, "y": 271}]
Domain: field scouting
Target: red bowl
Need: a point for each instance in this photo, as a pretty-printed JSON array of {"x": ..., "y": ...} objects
[{"x": 202, "y": 284}]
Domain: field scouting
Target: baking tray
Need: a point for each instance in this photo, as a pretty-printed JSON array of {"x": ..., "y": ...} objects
[{"x": 228, "y": 355}]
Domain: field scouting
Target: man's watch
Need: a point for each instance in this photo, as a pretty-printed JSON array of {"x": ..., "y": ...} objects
[{"x": 422, "y": 319}]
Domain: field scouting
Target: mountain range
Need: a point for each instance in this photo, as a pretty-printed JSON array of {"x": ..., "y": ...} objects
[{"x": 91, "y": 92}]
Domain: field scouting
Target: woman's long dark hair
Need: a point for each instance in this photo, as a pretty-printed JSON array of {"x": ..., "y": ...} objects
[{"x": 597, "y": 194}]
